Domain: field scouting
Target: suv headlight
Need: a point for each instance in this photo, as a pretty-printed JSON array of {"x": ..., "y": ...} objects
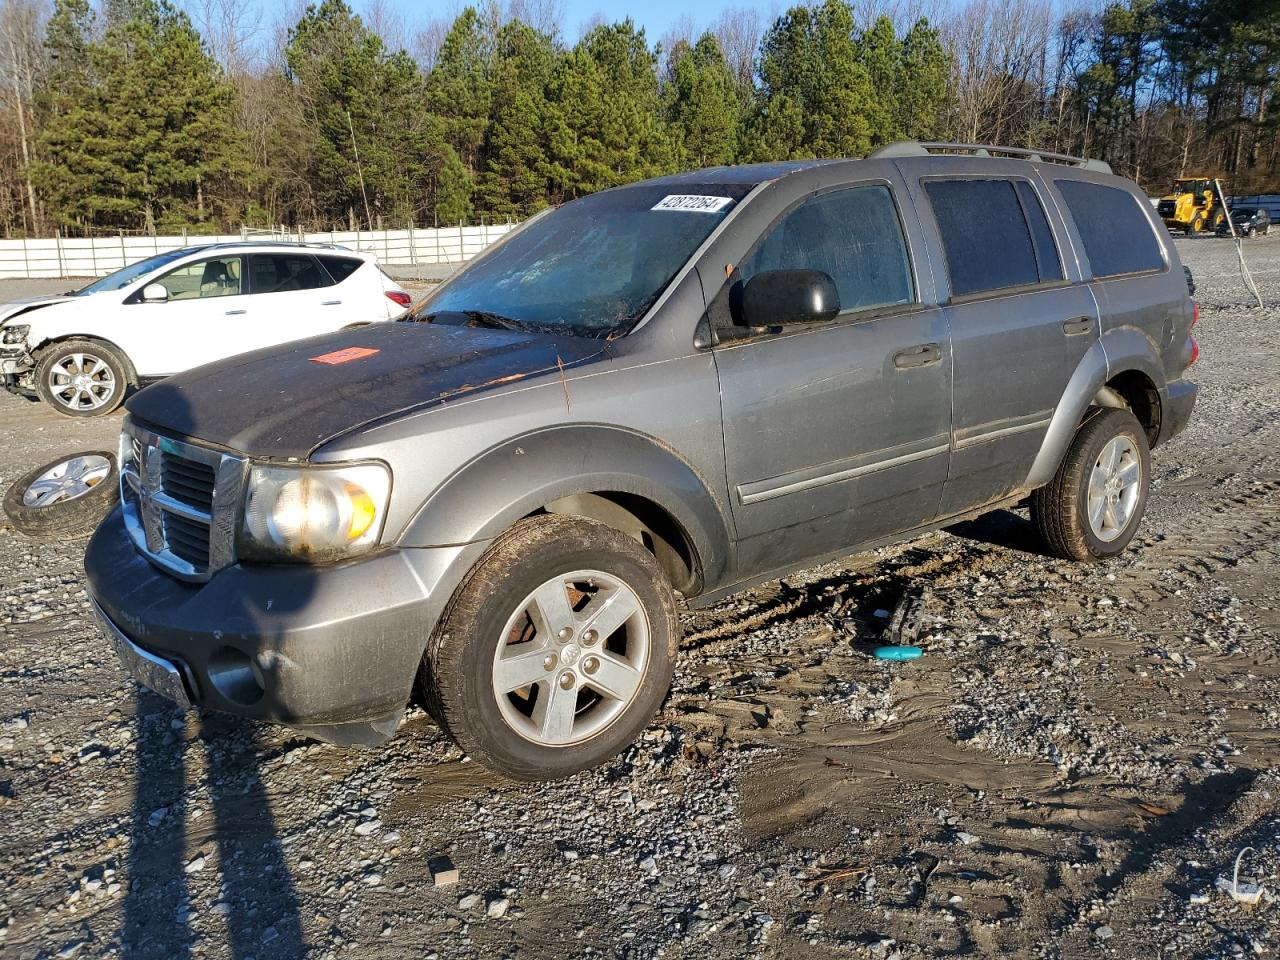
[
  {"x": 15, "y": 334},
  {"x": 313, "y": 513}
]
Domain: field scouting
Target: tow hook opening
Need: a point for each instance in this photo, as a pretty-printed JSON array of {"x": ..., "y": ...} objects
[{"x": 236, "y": 676}]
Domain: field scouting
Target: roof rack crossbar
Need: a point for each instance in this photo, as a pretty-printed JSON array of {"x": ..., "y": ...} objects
[{"x": 914, "y": 148}]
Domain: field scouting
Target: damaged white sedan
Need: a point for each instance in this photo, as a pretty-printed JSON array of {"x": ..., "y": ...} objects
[{"x": 81, "y": 351}]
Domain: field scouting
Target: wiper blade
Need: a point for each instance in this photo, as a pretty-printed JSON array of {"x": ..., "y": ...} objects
[{"x": 487, "y": 318}]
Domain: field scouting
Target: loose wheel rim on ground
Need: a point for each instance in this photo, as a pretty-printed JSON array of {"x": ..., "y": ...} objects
[
  {"x": 81, "y": 376},
  {"x": 1114, "y": 488},
  {"x": 571, "y": 659},
  {"x": 67, "y": 480}
]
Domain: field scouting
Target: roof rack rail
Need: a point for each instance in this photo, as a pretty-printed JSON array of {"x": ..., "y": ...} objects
[{"x": 914, "y": 148}]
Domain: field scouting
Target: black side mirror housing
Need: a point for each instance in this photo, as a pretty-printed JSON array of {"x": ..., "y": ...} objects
[{"x": 780, "y": 297}]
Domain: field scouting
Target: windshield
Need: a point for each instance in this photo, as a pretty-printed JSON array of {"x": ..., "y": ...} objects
[
  {"x": 591, "y": 268},
  {"x": 1243, "y": 214},
  {"x": 122, "y": 278}
]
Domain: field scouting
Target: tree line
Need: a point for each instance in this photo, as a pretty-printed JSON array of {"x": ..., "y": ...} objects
[{"x": 142, "y": 116}]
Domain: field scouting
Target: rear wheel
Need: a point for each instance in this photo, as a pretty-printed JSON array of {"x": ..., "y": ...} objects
[
  {"x": 555, "y": 652},
  {"x": 82, "y": 378},
  {"x": 1092, "y": 507}
]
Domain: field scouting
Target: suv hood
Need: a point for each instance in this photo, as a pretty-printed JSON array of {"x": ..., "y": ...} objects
[
  {"x": 12, "y": 308},
  {"x": 283, "y": 403}
]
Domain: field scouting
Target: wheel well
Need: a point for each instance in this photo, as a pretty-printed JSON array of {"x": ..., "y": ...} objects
[
  {"x": 1139, "y": 395},
  {"x": 644, "y": 521},
  {"x": 131, "y": 372}
]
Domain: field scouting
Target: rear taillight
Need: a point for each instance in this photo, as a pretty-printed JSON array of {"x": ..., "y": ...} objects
[
  {"x": 400, "y": 297},
  {"x": 1195, "y": 313},
  {"x": 1195, "y": 351}
]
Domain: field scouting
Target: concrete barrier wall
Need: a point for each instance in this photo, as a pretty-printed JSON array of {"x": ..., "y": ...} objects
[{"x": 98, "y": 256}]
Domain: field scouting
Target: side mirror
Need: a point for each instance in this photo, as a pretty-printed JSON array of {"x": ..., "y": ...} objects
[
  {"x": 779, "y": 297},
  {"x": 155, "y": 293}
]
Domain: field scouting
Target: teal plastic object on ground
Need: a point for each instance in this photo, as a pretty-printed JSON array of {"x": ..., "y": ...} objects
[{"x": 898, "y": 653}]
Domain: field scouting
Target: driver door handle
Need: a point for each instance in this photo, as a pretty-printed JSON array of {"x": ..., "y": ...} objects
[
  {"x": 921, "y": 355},
  {"x": 330, "y": 303},
  {"x": 235, "y": 313}
]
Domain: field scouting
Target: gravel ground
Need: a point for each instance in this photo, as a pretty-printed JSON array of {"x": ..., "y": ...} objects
[{"x": 1079, "y": 756}]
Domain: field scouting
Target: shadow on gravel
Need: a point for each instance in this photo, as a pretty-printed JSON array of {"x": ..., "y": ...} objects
[
  {"x": 1002, "y": 528},
  {"x": 257, "y": 908}
]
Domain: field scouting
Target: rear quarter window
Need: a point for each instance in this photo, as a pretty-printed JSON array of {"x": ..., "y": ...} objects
[
  {"x": 994, "y": 235},
  {"x": 1116, "y": 233},
  {"x": 341, "y": 267}
]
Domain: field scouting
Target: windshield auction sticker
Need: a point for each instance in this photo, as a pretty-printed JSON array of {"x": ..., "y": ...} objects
[
  {"x": 690, "y": 203},
  {"x": 344, "y": 356}
]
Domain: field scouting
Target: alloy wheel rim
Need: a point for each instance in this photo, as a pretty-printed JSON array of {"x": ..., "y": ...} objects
[
  {"x": 67, "y": 480},
  {"x": 1114, "y": 485},
  {"x": 571, "y": 659},
  {"x": 82, "y": 381}
]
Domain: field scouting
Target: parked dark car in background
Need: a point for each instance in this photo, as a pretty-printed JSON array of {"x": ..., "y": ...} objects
[
  {"x": 1248, "y": 222},
  {"x": 673, "y": 389}
]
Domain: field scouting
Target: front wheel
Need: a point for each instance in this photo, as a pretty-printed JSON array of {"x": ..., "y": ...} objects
[
  {"x": 556, "y": 651},
  {"x": 82, "y": 378},
  {"x": 1091, "y": 509}
]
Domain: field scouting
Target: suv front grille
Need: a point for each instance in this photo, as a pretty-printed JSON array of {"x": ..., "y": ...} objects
[
  {"x": 180, "y": 501},
  {"x": 187, "y": 480}
]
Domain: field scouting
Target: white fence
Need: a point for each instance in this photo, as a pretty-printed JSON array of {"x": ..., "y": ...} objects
[{"x": 98, "y": 256}]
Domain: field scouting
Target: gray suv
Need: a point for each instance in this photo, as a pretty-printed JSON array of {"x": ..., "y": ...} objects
[{"x": 670, "y": 390}]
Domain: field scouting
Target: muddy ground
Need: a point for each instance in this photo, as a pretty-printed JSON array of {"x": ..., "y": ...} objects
[{"x": 1079, "y": 756}]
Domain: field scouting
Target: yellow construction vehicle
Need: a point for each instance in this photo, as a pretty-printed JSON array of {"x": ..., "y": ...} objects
[{"x": 1193, "y": 204}]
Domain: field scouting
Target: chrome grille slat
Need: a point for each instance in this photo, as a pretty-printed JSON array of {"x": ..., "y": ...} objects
[{"x": 180, "y": 502}]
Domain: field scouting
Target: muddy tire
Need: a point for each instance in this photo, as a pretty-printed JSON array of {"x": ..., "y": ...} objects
[
  {"x": 1092, "y": 507},
  {"x": 64, "y": 499},
  {"x": 82, "y": 378},
  {"x": 555, "y": 652}
]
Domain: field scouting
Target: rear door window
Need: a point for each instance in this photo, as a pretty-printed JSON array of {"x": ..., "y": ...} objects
[
  {"x": 852, "y": 235},
  {"x": 1115, "y": 231},
  {"x": 285, "y": 273},
  {"x": 341, "y": 267},
  {"x": 994, "y": 234}
]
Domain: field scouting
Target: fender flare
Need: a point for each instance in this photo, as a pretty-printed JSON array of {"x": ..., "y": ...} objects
[
  {"x": 1116, "y": 351},
  {"x": 519, "y": 476}
]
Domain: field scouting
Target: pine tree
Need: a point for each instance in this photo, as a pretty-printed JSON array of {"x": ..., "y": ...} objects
[
  {"x": 612, "y": 130},
  {"x": 514, "y": 182},
  {"x": 922, "y": 96},
  {"x": 815, "y": 95},
  {"x": 460, "y": 86},
  {"x": 881, "y": 55},
  {"x": 703, "y": 108},
  {"x": 149, "y": 142}
]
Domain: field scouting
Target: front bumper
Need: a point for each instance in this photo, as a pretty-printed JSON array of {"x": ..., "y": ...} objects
[
  {"x": 1176, "y": 406},
  {"x": 332, "y": 651},
  {"x": 15, "y": 370}
]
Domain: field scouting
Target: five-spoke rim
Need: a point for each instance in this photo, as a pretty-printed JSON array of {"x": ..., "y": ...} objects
[
  {"x": 1114, "y": 485},
  {"x": 571, "y": 658},
  {"x": 82, "y": 381},
  {"x": 67, "y": 480}
]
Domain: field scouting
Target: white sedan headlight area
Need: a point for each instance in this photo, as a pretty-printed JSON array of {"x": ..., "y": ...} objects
[
  {"x": 14, "y": 334},
  {"x": 313, "y": 513}
]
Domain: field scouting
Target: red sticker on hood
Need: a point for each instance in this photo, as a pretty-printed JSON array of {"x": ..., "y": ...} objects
[{"x": 346, "y": 355}]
